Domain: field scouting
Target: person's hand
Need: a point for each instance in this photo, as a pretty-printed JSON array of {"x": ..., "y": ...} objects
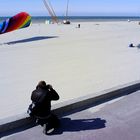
[{"x": 49, "y": 86}]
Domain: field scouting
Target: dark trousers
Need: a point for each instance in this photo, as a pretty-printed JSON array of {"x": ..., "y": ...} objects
[{"x": 51, "y": 120}]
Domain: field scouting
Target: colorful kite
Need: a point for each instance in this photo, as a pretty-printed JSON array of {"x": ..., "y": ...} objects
[{"x": 21, "y": 20}]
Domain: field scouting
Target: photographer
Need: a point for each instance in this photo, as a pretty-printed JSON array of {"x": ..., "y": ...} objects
[{"x": 40, "y": 108}]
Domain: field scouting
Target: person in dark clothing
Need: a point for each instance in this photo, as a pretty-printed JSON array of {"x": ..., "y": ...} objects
[
  {"x": 131, "y": 45},
  {"x": 40, "y": 108},
  {"x": 78, "y": 25}
]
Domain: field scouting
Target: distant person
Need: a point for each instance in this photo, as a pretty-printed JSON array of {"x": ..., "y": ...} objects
[
  {"x": 131, "y": 45},
  {"x": 138, "y": 46},
  {"x": 79, "y": 25},
  {"x": 40, "y": 108}
]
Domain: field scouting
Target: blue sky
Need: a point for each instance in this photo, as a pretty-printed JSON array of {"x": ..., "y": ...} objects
[{"x": 76, "y": 7}]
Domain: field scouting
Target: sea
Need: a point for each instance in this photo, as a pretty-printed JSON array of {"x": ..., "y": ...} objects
[{"x": 42, "y": 19}]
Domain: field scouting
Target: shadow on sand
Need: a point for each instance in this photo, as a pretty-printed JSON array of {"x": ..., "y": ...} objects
[
  {"x": 68, "y": 125},
  {"x": 37, "y": 38}
]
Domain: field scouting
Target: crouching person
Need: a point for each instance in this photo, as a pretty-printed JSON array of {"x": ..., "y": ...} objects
[{"x": 40, "y": 108}]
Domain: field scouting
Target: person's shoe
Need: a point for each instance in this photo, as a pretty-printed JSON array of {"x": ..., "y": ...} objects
[
  {"x": 47, "y": 130},
  {"x": 50, "y": 131}
]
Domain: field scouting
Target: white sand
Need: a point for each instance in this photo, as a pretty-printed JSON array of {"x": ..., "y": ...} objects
[{"x": 77, "y": 62}]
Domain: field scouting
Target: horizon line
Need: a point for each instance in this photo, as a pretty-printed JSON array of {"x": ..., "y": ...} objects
[{"x": 81, "y": 16}]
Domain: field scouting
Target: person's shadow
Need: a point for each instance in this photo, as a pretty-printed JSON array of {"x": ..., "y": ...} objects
[{"x": 68, "y": 125}]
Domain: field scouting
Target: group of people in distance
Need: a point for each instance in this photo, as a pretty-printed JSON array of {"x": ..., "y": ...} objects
[{"x": 132, "y": 46}]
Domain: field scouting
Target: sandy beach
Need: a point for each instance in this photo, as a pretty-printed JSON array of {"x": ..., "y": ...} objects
[{"x": 76, "y": 61}]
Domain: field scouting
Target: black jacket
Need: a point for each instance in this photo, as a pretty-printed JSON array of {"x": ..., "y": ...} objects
[{"x": 41, "y": 98}]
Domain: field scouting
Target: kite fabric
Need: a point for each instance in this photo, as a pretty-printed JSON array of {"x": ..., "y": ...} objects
[{"x": 21, "y": 20}]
